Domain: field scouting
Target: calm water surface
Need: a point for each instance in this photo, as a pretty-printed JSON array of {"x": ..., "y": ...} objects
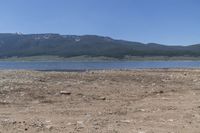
[{"x": 74, "y": 65}]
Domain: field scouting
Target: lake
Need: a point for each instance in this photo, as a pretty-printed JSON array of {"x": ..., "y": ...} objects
[{"x": 92, "y": 65}]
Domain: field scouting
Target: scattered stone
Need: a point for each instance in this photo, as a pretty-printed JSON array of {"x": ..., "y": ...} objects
[
  {"x": 195, "y": 80},
  {"x": 161, "y": 92},
  {"x": 100, "y": 113},
  {"x": 49, "y": 127},
  {"x": 4, "y": 102},
  {"x": 141, "y": 132},
  {"x": 102, "y": 98},
  {"x": 80, "y": 124},
  {"x": 6, "y": 87},
  {"x": 126, "y": 121},
  {"x": 173, "y": 90},
  {"x": 65, "y": 93},
  {"x": 69, "y": 124},
  {"x": 142, "y": 110},
  {"x": 80, "y": 94},
  {"x": 185, "y": 74},
  {"x": 170, "y": 120},
  {"x": 48, "y": 121},
  {"x": 41, "y": 80},
  {"x": 158, "y": 92},
  {"x": 14, "y": 122},
  {"x": 99, "y": 98}
]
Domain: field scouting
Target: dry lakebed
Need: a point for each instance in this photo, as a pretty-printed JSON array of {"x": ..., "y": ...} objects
[{"x": 111, "y": 101}]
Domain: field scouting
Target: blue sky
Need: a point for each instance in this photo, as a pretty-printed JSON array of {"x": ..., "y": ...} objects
[{"x": 172, "y": 22}]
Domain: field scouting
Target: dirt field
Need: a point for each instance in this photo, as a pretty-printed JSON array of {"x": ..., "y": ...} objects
[{"x": 138, "y": 101}]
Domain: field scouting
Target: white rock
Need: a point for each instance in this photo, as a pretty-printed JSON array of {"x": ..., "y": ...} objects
[
  {"x": 80, "y": 124},
  {"x": 141, "y": 132},
  {"x": 65, "y": 93},
  {"x": 126, "y": 121},
  {"x": 170, "y": 120}
]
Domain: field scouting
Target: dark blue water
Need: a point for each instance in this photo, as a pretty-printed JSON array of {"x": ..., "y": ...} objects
[{"x": 70, "y": 65}]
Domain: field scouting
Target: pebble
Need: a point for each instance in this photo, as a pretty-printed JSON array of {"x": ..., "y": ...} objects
[
  {"x": 99, "y": 98},
  {"x": 65, "y": 93},
  {"x": 48, "y": 121},
  {"x": 49, "y": 127},
  {"x": 69, "y": 124},
  {"x": 102, "y": 98},
  {"x": 80, "y": 124},
  {"x": 142, "y": 110},
  {"x": 170, "y": 120},
  {"x": 126, "y": 121},
  {"x": 141, "y": 132}
]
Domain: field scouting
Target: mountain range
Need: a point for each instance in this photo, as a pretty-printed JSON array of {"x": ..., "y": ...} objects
[{"x": 25, "y": 45}]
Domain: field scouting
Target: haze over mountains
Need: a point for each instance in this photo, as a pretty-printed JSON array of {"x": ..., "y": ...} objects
[{"x": 24, "y": 45}]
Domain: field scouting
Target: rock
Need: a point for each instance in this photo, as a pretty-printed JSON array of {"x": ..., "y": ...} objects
[
  {"x": 141, "y": 132},
  {"x": 100, "y": 113},
  {"x": 172, "y": 90},
  {"x": 80, "y": 124},
  {"x": 158, "y": 92},
  {"x": 102, "y": 98},
  {"x": 170, "y": 120},
  {"x": 6, "y": 88},
  {"x": 49, "y": 127},
  {"x": 142, "y": 110},
  {"x": 4, "y": 102},
  {"x": 65, "y": 93},
  {"x": 195, "y": 80},
  {"x": 41, "y": 80},
  {"x": 185, "y": 74},
  {"x": 14, "y": 122},
  {"x": 48, "y": 121},
  {"x": 99, "y": 98},
  {"x": 161, "y": 92},
  {"x": 126, "y": 121},
  {"x": 69, "y": 124}
]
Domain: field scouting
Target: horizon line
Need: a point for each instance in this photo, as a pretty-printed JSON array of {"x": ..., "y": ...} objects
[{"x": 118, "y": 39}]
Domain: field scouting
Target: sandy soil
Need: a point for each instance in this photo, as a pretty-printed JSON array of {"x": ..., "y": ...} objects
[{"x": 138, "y": 101}]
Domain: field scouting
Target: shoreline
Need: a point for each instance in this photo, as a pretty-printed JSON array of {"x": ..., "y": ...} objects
[
  {"x": 100, "y": 70},
  {"x": 101, "y": 58}
]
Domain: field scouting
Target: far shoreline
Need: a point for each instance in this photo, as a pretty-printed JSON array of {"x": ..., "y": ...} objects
[{"x": 100, "y": 58}]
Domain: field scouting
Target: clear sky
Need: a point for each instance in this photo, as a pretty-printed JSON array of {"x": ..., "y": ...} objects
[{"x": 172, "y": 22}]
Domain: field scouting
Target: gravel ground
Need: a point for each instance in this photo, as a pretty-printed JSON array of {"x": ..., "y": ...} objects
[{"x": 135, "y": 101}]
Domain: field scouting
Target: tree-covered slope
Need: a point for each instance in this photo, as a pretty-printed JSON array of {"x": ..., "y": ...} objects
[{"x": 70, "y": 45}]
